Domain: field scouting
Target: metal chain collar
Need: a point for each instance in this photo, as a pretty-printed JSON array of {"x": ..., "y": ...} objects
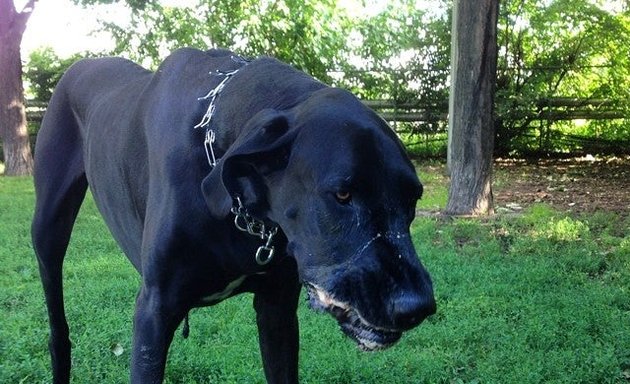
[
  {"x": 205, "y": 120},
  {"x": 242, "y": 219},
  {"x": 246, "y": 223}
]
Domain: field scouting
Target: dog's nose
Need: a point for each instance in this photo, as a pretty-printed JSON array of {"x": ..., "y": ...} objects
[{"x": 410, "y": 310}]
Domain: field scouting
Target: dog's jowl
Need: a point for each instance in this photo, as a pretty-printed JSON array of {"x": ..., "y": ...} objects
[{"x": 217, "y": 176}]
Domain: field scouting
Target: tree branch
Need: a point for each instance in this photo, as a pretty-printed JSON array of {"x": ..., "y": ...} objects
[
  {"x": 28, "y": 7},
  {"x": 22, "y": 17}
]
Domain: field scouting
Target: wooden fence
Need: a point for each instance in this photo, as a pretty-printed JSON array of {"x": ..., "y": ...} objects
[
  {"x": 429, "y": 122},
  {"x": 549, "y": 109}
]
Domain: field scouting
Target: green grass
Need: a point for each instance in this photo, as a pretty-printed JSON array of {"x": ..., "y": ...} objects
[
  {"x": 435, "y": 186},
  {"x": 542, "y": 298}
]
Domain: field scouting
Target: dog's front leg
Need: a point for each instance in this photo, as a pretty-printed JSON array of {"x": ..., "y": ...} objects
[
  {"x": 278, "y": 333},
  {"x": 155, "y": 322}
]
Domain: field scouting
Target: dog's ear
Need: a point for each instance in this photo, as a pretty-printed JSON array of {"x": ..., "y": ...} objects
[{"x": 243, "y": 169}]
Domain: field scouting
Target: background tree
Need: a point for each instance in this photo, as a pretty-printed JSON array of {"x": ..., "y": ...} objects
[
  {"x": 13, "y": 129},
  {"x": 471, "y": 130}
]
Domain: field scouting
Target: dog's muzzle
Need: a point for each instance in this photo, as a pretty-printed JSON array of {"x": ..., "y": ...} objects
[{"x": 367, "y": 336}]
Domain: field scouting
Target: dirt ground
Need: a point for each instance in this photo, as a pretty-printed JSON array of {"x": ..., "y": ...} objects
[{"x": 577, "y": 185}]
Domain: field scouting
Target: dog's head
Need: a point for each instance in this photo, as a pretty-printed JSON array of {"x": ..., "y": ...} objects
[{"x": 337, "y": 181}]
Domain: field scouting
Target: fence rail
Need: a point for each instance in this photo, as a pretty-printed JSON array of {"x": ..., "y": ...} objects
[
  {"x": 550, "y": 109},
  {"x": 427, "y": 122}
]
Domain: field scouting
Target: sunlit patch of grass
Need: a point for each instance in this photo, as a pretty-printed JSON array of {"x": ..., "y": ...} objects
[{"x": 435, "y": 185}]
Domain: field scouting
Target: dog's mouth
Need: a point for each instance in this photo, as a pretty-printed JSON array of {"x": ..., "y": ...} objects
[{"x": 367, "y": 336}]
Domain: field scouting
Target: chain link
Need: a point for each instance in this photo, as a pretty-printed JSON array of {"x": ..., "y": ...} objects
[
  {"x": 207, "y": 117},
  {"x": 246, "y": 223}
]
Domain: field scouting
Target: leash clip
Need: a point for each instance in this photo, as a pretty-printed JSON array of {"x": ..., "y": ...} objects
[
  {"x": 268, "y": 248},
  {"x": 259, "y": 255}
]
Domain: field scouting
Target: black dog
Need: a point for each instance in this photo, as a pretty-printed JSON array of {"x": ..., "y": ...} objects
[{"x": 309, "y": 187}]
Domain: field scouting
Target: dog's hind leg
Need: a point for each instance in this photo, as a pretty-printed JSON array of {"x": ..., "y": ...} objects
[{"x": 60, "y": 186}]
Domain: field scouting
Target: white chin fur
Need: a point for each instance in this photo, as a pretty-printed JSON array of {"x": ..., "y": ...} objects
[{"x": 367, "y": 336}]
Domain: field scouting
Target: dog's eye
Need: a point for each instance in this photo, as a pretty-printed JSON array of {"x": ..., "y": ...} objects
[{"x": 343, "y": 197}]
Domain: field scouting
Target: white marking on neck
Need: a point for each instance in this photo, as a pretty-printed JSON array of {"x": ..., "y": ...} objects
[{"x": 225, "y": 293}]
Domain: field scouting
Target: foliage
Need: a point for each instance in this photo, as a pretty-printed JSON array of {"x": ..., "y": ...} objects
[
  {"x": 44, "y": 69},
  {"x": 563, "y": 48},
  {"x": 306, "y": 34},
  {"x": 538, "y": 298},
  {"x": 400, "y": 51}
]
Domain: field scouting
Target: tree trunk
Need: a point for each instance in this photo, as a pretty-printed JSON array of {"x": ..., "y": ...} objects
[
  {"x": 471, "y": 129},
  {"x": 13, "y": 129}
]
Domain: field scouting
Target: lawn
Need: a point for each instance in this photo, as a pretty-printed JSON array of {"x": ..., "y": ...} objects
[{"x": 538, "y": 297}]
